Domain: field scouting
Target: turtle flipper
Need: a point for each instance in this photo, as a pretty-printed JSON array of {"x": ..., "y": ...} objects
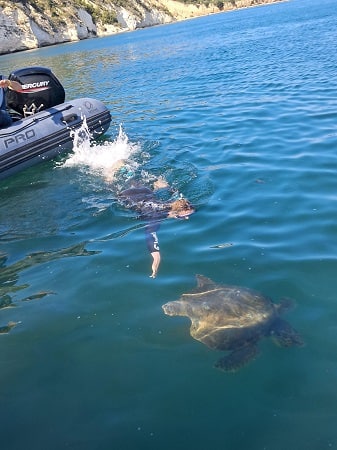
[
  {"x": 238, "y": 358},
  {"x": 284, "y": 335}
]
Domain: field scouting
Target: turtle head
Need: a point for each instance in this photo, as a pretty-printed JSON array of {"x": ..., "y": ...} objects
[{"x": 176, "y": 308}]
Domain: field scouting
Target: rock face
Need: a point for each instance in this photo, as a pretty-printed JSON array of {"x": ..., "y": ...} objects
[
  {"x": 23, "y": 27},
  {"x": 32, "y": 24},
  {"x": 129, "y": 20}
]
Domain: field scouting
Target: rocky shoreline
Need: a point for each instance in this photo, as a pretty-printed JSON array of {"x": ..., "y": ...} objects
[{"x": 26, "y": 26}]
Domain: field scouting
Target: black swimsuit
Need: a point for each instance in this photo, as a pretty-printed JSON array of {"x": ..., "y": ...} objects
[{"x": 143, "y": 201}]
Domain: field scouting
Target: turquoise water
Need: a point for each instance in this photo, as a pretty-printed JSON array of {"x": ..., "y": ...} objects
[{"x": 238, "y": 112}]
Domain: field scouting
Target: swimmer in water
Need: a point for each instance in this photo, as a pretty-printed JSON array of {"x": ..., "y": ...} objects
[{"x": 144, "y": 201}]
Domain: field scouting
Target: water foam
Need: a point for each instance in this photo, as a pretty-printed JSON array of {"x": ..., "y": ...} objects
[{"x": 100, "y": 158}]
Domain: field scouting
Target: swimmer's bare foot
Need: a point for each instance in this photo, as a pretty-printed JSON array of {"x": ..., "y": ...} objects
[
  {"x": 160, "y": 183},
  {"x": 113, "y": 169}
]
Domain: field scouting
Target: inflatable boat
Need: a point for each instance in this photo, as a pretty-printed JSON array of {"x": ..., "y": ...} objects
[{"x": 43, "y": 123}]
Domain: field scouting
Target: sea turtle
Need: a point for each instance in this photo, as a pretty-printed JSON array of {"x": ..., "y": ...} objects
[{"x": 233, "y": 318}]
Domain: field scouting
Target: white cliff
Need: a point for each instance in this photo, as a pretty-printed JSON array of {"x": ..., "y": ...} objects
[{"x": 26, "y": 25}]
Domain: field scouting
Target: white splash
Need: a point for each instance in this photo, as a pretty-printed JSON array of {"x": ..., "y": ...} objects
[{"x": 100, "y": 158}]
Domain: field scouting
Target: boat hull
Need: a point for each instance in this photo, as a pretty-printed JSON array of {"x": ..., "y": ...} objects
[{"x": 47, "y": 134}]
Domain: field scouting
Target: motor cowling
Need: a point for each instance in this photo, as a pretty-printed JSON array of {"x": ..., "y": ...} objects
[{"x": 40, "y": 90}]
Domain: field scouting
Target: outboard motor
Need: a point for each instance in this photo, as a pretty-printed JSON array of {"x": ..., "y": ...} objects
[{"x": 40, "y": 90}]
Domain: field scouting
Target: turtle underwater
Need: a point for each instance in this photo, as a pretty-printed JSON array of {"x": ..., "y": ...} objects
[{"x": 233, "y": 319}]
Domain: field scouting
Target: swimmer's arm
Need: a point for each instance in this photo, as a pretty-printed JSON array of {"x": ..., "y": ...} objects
[
  {"x": 153, "y": 247},
  {"x": 155, "y": 264}
]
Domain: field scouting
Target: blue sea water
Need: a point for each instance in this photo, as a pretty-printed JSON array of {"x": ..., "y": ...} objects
[{"x": 238, "y": 112}]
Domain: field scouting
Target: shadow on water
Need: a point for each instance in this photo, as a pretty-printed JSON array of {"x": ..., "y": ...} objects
[{"x": 9, "y": 275}]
